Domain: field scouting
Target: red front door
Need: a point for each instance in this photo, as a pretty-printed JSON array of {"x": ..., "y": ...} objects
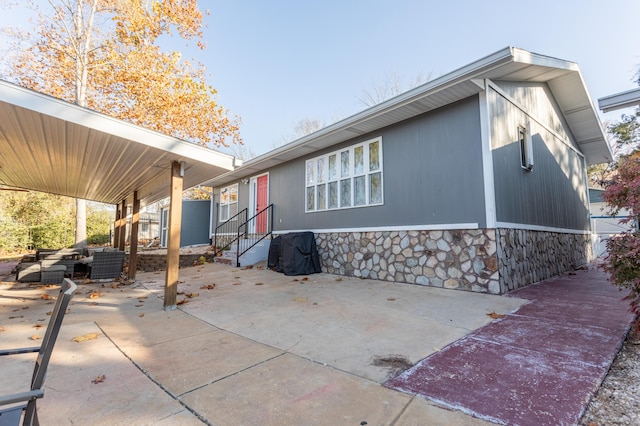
[{"x": 262, "y": 199}]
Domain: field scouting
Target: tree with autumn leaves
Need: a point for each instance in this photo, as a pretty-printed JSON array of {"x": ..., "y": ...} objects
[
  {"x": 622, "y": 192},
  {"x": 106, "y": 55}
]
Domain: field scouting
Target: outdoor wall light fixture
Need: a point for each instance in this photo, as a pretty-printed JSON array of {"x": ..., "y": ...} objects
[{"x": 245, "y": 181}]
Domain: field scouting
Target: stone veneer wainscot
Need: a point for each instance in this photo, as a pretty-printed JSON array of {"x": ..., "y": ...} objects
[{"x": 470, "y": 259}]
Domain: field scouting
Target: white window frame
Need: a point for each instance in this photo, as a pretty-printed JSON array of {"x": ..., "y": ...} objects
[
  {"x": 526, "y": 147},
  {"x": 317, "y": 178},
  {"x": 222, "y": 217}
]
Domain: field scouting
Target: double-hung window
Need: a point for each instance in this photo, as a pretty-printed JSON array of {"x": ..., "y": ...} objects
[
  {"x": 349, "y": 177},
  {"x": 228, "y": 202}
]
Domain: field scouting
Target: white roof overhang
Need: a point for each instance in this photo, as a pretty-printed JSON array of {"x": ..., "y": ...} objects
[
  {"x": 511, "y": 64},
  {"x": 621, "y": 100},
  {"x": 50, "y": 145}
]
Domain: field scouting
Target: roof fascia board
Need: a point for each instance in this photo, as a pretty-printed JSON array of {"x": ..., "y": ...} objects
[
  {"x": 526, "y": 57},
  {"x": 48, "y": 105}
]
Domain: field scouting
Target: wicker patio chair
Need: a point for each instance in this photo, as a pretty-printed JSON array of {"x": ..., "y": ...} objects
[
  {"x": 106, "y": 265},
  {"x": 27, "y": 400}
]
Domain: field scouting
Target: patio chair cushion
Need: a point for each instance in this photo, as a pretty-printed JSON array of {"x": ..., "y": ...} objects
[
  {"x": 85, "y": 260},
  {"x": 53, "y": 274},
  {"x": 28, "y": 272}
]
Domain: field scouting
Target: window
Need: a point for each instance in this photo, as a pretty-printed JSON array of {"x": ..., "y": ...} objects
[
  {"x": 228, "y": 202},
  {"x": 526, "y": 147},
  {"x": 350, "y": 177}
]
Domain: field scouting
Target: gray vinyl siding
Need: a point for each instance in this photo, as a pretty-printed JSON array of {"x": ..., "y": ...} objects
[
  {"x": 195, "y": 222},
  {"x": 554, "y": 193},
  {"x": 537, "y": 100},
  {"x": 432, "y": 175}
]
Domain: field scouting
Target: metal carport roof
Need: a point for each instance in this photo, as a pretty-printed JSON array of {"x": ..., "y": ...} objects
[{"x": 53, "y": 146}]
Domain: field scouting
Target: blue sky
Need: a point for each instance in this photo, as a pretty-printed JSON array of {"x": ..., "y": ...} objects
[{"x": 275, "y": 63}]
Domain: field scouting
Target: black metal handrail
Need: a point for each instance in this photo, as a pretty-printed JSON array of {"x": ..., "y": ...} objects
[
  {"x": 263, "y": 216},
  {"x": 228, "y": 232}
]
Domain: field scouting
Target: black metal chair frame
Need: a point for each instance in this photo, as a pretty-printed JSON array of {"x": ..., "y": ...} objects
[{"x": 27, "y": 400}]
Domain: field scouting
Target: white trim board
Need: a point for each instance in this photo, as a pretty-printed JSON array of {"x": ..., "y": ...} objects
[
  {"x": 487, "y": 160},
  {"x": 443, "y": 227},
  {"x": 527, "y": 227}
]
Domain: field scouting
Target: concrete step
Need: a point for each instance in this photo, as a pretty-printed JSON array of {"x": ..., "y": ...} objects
[{"x": 256, "y": 254}]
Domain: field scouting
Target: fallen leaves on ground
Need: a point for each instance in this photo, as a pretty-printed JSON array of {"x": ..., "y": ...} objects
[
  {"x": 299, "y": 299},
  {"x": 182, "y": 302},
  {"x": 493, "y": 315},
  {"x": 192, "y": 295},
  {"x": 259, "y": 283},
  {"x": 36, "y": 337},
  {"x": 36, "y": 326},
  {"x": 391, "y": 299},
  {"x": 47, "y": 297},
  {"x": 88, "y": 336},
  {"x": 338, "y": 279},
  {"x": 94, "y": 294},
  {"x": 208, "y": 287},
  {"x": 2, "y": 329},
  {"x": 99, "y": 379},
  {"x": 140, "y": 315},
  {"x": 237, "y": 284},
  {"x": 246, "y": 267},
  {"x": 47, "y": 287}
]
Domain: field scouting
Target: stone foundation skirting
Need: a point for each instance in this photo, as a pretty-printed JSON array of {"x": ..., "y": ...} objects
[
  {"x": 458, "y": 259},
  {"x": 527, "y": 257},
  {"x": 471, "y": 259}
]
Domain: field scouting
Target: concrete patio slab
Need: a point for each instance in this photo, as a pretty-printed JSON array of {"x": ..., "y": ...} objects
[
  {"x": 289, "y": 390},
  {"x": 421, "y": 412},
  {"x": 251, "y": 346},
  {"x": 347, "y": 323},
  {"x": 199, "y": 360}
]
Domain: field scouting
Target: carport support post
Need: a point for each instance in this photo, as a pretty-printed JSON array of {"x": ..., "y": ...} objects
[
  {"x": 133, "y": 250},
  {"x": 123, "y": 225},
  {"x": 116, "y": 227},
  {"x": 173, "y": 243}
]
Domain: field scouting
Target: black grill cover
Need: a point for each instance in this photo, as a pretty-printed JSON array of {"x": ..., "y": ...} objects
[
  {"x": 273, "y": 261},
  {"x": 298, "y": 254}
]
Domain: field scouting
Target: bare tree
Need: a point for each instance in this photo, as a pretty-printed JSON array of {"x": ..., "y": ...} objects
[
  {"x": 302, "y": 128},
  {"x": 392, "y": 85}
]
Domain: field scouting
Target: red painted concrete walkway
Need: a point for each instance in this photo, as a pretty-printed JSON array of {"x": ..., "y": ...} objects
[{"x": 537, "y": 366}]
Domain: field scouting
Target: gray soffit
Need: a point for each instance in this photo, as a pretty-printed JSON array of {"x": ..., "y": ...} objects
[
  {"x": 511, "y": 64},
  {"x": 621, "y": 100},
  {"x": 50, "y": 145}
]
